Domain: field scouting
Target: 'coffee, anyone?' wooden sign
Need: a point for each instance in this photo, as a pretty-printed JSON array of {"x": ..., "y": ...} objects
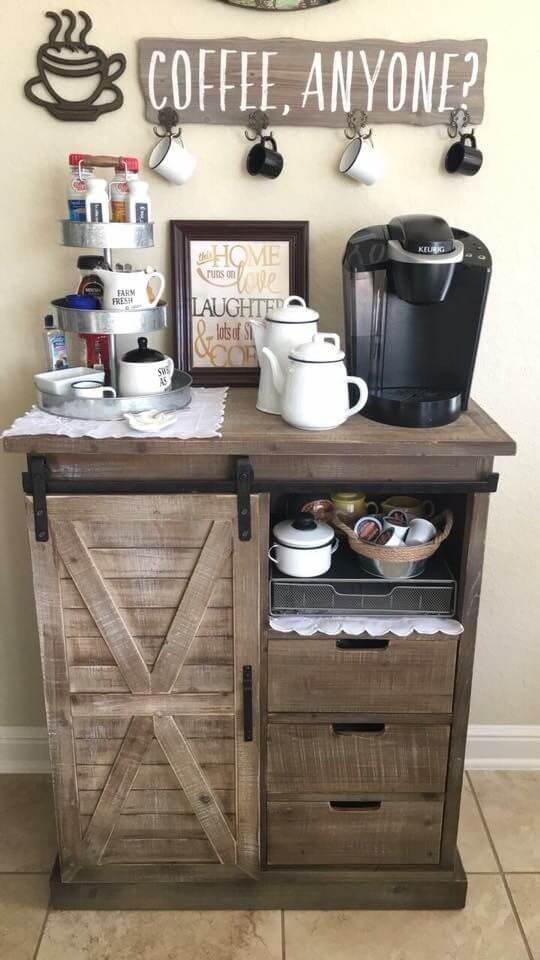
[{"x": 305, "y": 83}]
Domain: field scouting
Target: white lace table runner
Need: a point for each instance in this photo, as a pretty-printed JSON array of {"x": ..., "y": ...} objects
[
  {"x": 374, "y": 626},
  {"x": 202, "y": 419}
]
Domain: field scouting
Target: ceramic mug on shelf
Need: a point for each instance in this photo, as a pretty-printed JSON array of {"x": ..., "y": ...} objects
[
  {"x": 130, "y": 291},
  {"x": 351, "y": 506},
  {"x": 410, "y": 506},
  {"x": 92, "y": 390},
  {"x": 420, "y": 531}
]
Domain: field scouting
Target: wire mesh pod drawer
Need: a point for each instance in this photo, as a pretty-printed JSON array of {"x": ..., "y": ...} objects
[{"x": 287, "y": 596}]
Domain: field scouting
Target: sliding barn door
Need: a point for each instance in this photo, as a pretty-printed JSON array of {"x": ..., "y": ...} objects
[{"x": 148, "y": 611}]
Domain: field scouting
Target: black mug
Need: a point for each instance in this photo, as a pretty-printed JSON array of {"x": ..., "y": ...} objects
[
  {"x": 264, "y": 160},
  {"x": 463, "y": 157}
]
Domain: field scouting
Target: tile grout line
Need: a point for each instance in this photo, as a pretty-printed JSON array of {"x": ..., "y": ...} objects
[
  {"x": 501, "y": 871},
  {"x": 41, "y": 932},
  {"x": 283, "y": 949}
]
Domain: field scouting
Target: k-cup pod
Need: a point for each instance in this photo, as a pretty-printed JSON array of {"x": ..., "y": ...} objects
[
  {"x": 398, "y": 525},
  {"x": 368, "y": 529}
]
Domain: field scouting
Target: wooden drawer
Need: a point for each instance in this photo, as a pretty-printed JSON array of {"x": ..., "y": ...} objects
[
  {"x": 330, "y": 760},
  {"x": 324, "y": 833},
  {"x": 325, "y": 674}
]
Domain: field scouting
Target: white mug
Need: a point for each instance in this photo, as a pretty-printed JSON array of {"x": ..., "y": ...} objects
[
  {"x": 92, "y": 390},
  {"x": 420, "y": 531},
  {"x": 362, "y": 161},
  {"x": 130, "y": 291},
  {"x": 143, "y": 379},
  {"x": 171, "y": 159}
]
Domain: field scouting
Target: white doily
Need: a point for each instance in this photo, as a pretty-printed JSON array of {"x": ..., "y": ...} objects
[
  {"x": 374, "y": 626},
  {"x": 202, "y": 419}
]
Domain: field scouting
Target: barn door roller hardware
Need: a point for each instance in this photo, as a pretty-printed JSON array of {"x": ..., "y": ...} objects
[
  {"x": 244, "y": 478},
  {"x": 35, "y": 483}
]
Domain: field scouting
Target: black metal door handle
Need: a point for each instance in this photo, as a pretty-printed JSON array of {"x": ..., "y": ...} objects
[
  {"x": 355, "y": 804},
  {"x": 340, "y": 728},
  {"x": 247, "y": 695},
  {"x": 367, "y": 643}
]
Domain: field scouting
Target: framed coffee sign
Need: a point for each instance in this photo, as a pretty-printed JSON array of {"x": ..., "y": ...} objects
[{"x": 225, "y": 274}]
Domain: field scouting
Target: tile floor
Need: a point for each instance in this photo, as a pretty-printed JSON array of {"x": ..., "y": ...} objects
[{"x": 500, "y": 846}]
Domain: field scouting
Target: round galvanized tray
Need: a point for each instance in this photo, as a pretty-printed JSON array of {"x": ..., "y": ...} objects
[
  {"x": 111, "y": 321},
  {"x": 106, "y": 236},
  {"x": 114, "y": 409}
]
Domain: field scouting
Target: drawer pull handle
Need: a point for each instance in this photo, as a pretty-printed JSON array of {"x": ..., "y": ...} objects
[
  {"x": 355, "y": 804},
  {"x": 341, "y": 728},
  {"x": 367, "y": 643},
  {"x": 247, "y": 691}
]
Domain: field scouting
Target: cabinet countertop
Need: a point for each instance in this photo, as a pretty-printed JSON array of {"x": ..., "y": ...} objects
[{"x": 246, "y": 431}]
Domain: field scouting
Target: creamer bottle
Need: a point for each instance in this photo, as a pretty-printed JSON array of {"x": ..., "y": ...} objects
[
  {"x": 76, "y": 190},
  {"x": 140, "y": 210},
  {"x": 97, "y": 200},
  {"x": 125, "y": 172}
]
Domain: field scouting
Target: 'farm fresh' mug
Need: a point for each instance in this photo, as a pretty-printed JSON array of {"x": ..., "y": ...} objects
[{"x": 130, "y": 291}]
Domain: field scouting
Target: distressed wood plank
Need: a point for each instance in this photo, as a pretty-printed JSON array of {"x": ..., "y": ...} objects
[
  {"x": 155, "y": 802},
  {"x": 116, "y": 789},
  {"x": 196, "y": 788},
  {"x": 155, "y": 776},
  {"x": 57, "y": 701},
  {"x": 106, "y": 751},
  {"x": 194, "y": 728},
  {"x": 143, "y": 533},
  {"x": 101, "y": 606},
  {"x": 141, "y": 826},
  {"x": 156, "y": 850},
  {"x": 303, "y": 78},
  {"x": 192, "y": 608},
  {"x": 87, "y": 507},
  {"x": 194, "y": 678},
  {"x": 94, "y": 652},
  {"x": 119, "y": 563},
  {"x": 148, "y": 592},
  {"x": 148, "y": 622},
  {"x": 99, "y": 705}
]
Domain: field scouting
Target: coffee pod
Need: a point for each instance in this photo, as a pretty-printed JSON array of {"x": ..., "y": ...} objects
[
  {"x": 397, "y": 518},
  {"x": 368, "y": 529},
  {"x": 384, "y": 538}
]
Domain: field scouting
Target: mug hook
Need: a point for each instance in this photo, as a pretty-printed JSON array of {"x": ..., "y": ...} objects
[
  {"x": 356, "y": 121},
  {"x": 459, "y": 118},
  {"x": 257, "y": 122},
  {"x": 168, "y": 119}
]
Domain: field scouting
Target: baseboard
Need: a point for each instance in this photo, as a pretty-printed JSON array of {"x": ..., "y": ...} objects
[
  {"x": 489, "y": 747},
  {"x": 24, "y": 750},
  {"x": 503, "y": 747}
]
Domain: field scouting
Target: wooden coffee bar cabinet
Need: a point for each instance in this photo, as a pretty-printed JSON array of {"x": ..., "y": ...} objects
[{"x": 200, "y": 759}]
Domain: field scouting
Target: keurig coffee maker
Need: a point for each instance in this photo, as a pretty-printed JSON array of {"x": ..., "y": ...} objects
[{"x": 415, "y": 292}]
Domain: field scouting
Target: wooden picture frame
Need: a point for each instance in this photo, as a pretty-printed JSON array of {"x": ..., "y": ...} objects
[{"x": 268, "y": 265}]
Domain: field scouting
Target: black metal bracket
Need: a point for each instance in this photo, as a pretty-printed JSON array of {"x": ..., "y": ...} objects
[
  {"x": 35, "y": 483},
  {"x": 244, "y": 479},
  {"x": 247, "y": 694}
]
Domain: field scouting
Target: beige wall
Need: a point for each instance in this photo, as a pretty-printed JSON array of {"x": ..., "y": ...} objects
[{"x": 500, "y": 205}]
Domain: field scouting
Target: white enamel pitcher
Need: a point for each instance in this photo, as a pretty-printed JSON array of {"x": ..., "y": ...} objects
[
  {"x": 281, "y": 331},
  {"x": 314, "y": 385}
]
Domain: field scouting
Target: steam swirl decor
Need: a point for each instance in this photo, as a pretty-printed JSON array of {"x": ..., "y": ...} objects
[
  {"x": 89, "y": 72},
  {"x": 280, "y": 4}
]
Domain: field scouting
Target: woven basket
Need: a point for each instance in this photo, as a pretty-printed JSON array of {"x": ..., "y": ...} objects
[{"x": 324, "y": 510}]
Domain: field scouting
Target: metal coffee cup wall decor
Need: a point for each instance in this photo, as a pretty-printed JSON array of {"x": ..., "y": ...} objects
[
  {"x": 75, "y": 80},
  {"x": 280, "y": 4}
]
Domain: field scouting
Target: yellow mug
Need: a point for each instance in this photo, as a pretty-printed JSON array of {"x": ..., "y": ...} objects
[
  {"x": 410, "y": 506},
  {"x": 352, "y": 506}
]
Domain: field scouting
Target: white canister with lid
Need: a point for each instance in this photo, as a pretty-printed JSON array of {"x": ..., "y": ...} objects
[
  {"x": 143, "y": 371},
  {"x": 303, "y": 547},
  {"x": 282, "y": 330}
]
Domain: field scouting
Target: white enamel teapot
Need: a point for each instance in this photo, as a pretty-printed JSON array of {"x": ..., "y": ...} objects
[
  {"x": 283, "y": 329},
  {"x": 314, "y": 386}
]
